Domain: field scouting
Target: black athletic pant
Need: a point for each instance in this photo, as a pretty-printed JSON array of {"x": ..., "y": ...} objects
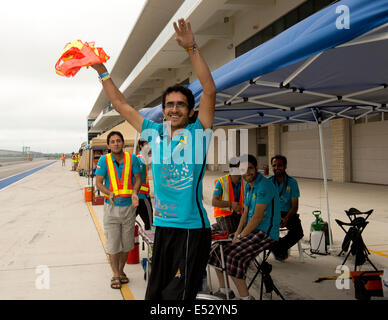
[
  {"x": 179, "y": 261},
  {"x": 294, "y": 234}
]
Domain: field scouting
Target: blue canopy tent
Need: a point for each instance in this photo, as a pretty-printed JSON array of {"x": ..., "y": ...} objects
[{"x": 328, "y": 66}]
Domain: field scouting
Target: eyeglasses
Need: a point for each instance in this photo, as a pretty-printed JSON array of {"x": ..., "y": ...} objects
[{"x": 178, "y": 104}]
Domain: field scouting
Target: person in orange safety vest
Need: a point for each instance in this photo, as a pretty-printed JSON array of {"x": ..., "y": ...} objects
[
  {"x": 144, "y": 209},
  {"x": 228, "y": 198},
  {"x": 118, "y": 177},
  {"x": 63, "y": 158}
]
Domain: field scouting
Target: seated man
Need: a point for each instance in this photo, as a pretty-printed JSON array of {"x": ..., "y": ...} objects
[
  {"x": 257, "y": 231},
  {"x": 228, "y": 198},
  {"x": 288, "y": 190}
]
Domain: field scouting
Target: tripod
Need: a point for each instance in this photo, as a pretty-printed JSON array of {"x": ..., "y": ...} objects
[
  {"x": 353, "y": 237},
  {"x": 266, "y": 280}
]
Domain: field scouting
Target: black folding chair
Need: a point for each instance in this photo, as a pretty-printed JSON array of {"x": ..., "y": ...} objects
[
  {"x": 353, "y": 237},
  {"x": 264, "y": 268}
]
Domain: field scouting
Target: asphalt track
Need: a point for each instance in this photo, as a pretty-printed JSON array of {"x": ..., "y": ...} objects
[{"x": 10, "y": 174}]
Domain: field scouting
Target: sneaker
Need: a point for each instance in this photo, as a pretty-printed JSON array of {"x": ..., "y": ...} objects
[
  {"x": 222, "y": 295},
  {"x": 250, "y": 298}
]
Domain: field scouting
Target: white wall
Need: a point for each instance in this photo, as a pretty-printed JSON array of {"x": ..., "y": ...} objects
[
  {"x": 302, "y": 149},
  {"x": 370, "y": 152}
]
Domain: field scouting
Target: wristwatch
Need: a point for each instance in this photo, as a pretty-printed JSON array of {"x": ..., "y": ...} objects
[{"x": 239, "y": 236}]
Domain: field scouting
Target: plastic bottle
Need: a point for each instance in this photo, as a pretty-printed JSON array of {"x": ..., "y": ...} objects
[{"x": 317, "y": 244}]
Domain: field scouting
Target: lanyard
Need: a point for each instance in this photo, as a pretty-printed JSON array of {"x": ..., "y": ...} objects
[{"x": 285, "y": 183}]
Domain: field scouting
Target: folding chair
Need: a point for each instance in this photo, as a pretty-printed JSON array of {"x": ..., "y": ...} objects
[
  {"x": 353, "y": 236},
  {"x": 264, "y": 268},
  {"x": 148, "y": 239},
  {"x": 217, "y": 249}
]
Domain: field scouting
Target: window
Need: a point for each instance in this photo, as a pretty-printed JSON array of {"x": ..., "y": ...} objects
[{"x": 261, "y": 149}]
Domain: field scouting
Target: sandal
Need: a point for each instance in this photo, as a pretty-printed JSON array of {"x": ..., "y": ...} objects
[
  {"x": 123, "y": 278},
  {"x": 115, "y": 283}
]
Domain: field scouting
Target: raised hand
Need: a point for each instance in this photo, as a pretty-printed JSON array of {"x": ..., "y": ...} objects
[
  {"x": 185, "y": 37},
  {"x": 100, "y": 68}
]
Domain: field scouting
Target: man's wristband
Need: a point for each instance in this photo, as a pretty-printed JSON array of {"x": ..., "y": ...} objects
[
  {"x": 193, "y": 48},
  {"x": 104, "y": 76}
]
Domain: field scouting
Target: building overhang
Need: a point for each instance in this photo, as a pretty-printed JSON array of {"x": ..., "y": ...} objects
[
  {"x": 106, "y": 121},
  {"x": 153, "y": 18}
]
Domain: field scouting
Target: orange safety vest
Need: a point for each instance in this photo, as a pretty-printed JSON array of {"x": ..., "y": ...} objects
[
  {"x": 122, "y": 187},
  {"x": 145, "y": 187},
  {"x": 228, "y": 195}
]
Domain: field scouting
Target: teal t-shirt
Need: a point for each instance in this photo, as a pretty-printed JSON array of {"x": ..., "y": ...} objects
[
  {"x": 287, "y": 190},
  {"x": 142, "y": 167},
  {"x": 102, "y": 170},
  {"x": 264, "y": 192},
  {"x": 178, "y": 167},
  {"x": 236, "y": 190}
]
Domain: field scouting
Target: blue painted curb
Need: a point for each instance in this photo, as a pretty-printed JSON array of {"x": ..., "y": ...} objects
[{"x": 10, "y": 180}]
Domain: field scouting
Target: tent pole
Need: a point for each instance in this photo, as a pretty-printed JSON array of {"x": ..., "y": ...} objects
[
  {"x": 325, "y": 182},
  {"x": 135, "y": 144}
]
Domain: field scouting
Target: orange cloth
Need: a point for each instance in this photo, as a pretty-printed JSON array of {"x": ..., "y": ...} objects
[{"x": 76, "y": 55}]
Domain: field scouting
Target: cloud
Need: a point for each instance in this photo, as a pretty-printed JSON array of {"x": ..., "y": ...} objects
[{"x": 38, "y": 108}]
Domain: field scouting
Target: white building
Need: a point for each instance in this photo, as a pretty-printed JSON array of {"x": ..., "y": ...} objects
[{"x": 150, "y": 61}]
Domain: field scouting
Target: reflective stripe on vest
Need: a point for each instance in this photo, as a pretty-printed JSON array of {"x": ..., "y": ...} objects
[
  {"x": 122, "y": 187},
  {"x": 228, "y": 195},
  {"x": 144, "y": 188}
]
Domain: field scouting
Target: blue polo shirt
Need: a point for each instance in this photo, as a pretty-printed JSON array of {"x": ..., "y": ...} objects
[
  {"x": 102, "y": 170},
  {"x": 142, "y": 167},
  {"x": 287, "y": 190},
  {"x": 178, "y": 167},
  {"x": 264, "y": 192},
  {"x": 236, "y": 190}
]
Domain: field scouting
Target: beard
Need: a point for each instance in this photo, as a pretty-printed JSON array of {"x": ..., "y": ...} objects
[
  {"x": 279, "y": 173},
  {"x": 183, "y": 124}
]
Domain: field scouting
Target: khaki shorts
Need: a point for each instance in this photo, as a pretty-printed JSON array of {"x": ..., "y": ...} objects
[{"x": 119, "y": 228}]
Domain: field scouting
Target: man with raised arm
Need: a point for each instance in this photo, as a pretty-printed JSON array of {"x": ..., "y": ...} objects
[{"x": 182, "y": 235}]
